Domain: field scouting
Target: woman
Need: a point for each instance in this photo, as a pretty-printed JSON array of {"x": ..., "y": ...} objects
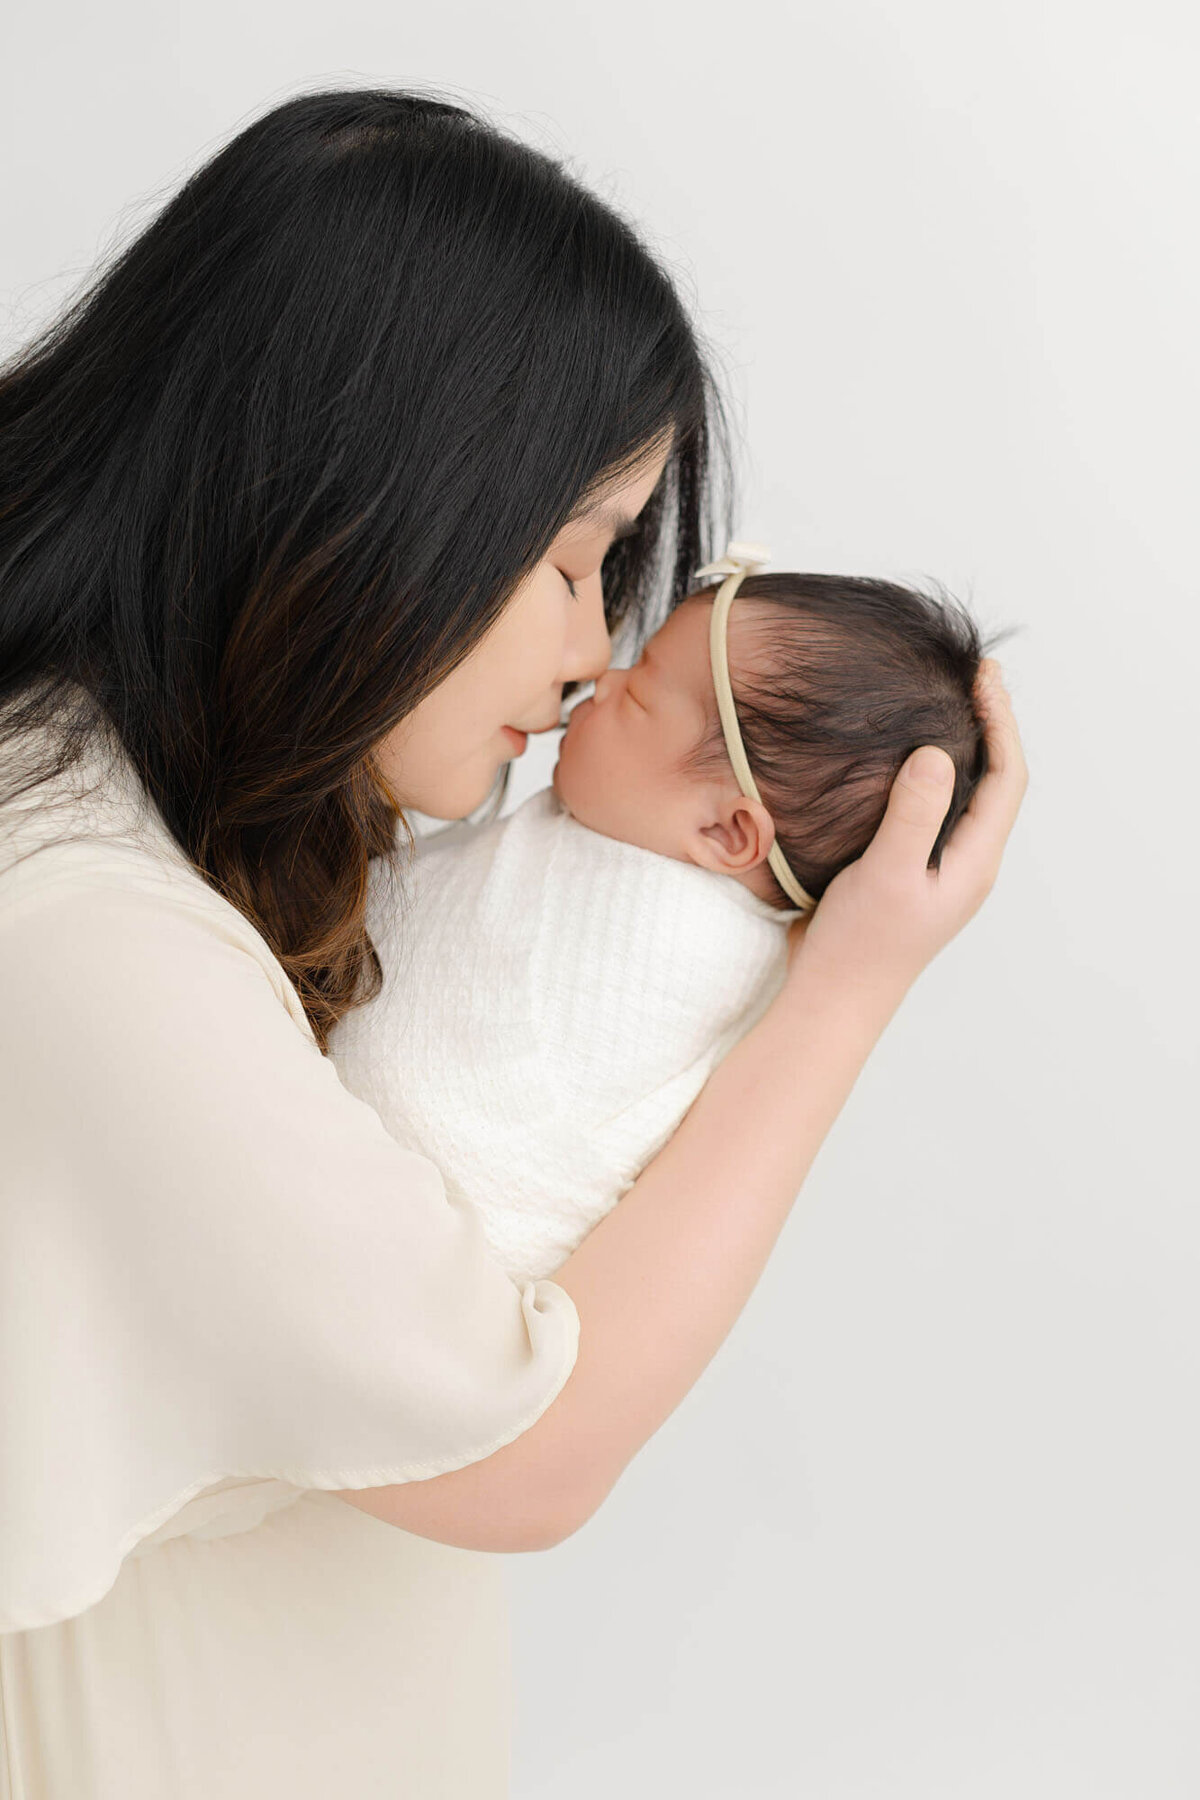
[{"x": 317, "y": 504}]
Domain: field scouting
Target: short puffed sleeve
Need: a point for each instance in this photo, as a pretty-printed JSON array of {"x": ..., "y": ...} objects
[{"x": 214, "y": 1260}]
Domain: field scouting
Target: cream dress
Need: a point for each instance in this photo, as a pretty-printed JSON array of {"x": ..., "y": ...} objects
[{"x": 225, "y": 1290}]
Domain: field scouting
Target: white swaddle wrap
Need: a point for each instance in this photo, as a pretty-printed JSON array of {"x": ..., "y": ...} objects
[{"x": 554, "y": 1001}]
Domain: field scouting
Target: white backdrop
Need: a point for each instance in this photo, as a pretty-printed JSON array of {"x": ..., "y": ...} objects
[{"x": 927, "y": 1527}]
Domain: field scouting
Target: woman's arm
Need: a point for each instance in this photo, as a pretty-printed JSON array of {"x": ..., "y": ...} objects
[{"x": 660, "y": 1281}]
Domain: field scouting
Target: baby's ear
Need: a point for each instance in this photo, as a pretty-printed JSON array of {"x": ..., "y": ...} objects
[{"x": 735, "y": 838}]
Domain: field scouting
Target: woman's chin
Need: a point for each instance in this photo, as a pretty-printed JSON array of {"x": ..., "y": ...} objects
[{"x": 459, "y": 802}]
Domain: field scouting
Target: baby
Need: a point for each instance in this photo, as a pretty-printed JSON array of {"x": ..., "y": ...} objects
[{"x": 560, "y": 983}]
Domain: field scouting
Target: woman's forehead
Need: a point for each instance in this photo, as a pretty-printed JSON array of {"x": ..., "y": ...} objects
[{"x": 614, "y": 505}]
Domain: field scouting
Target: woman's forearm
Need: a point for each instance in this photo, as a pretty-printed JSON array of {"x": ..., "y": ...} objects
[{"x": 659, "y": 1282}]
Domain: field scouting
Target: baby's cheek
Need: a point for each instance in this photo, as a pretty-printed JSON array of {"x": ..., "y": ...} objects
[
  {"x": 577, "y": 783},
  {"x": 598, "y": 772},
  {"x": 609, "y": 782}
]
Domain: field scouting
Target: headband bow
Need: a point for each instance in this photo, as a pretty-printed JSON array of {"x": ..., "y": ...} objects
[{"x": 740, "y": 560}]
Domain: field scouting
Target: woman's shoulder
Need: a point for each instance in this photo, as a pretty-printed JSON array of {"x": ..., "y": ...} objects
[
  {"x": 86, "y": 855},
  {"x": 74, "y": 796}
]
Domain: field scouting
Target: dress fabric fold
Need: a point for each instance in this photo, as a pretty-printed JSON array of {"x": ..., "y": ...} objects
[{"x": 225, "y": 1289}]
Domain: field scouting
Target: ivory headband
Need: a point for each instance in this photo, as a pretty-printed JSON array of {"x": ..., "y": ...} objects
[{"x": 739, "y": 561}]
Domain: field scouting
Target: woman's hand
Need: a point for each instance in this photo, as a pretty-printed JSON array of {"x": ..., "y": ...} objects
[{"x": 885, "y": 916}]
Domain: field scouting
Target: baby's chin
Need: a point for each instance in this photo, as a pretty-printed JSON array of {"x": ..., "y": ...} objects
[
  {"x": 556, "y": 785},
  {"x": 569, "y": 800}
]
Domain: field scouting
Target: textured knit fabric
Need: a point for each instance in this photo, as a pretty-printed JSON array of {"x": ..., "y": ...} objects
[
  {"x": 554, "y": 1001},
  {"x": 224, "y": 1287}
]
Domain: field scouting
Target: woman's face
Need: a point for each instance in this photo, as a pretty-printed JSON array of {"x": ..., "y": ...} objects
[{"x": 442, "y": 760}]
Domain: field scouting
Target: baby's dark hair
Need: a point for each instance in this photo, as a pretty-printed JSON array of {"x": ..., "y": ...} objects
[{"x": 862, "y": 672}]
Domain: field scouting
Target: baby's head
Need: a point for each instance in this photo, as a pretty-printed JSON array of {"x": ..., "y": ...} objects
[{"x": 836, "y": 680}]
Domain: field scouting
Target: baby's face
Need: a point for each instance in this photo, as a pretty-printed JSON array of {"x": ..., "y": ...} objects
[{"x": 619, "y": 766}]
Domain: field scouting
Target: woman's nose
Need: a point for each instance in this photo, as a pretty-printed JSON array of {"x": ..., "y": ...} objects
[{"x": 588, "y": 647}]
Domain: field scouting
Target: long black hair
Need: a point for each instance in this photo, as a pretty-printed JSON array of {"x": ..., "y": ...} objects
[{"x": 275, "y": 473}]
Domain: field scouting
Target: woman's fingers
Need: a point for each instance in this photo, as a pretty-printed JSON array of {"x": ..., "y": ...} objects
[
  {"x": 1005, "y": 754},
  {"x": 916, "y": 807},
  {"x": 981, "y": 833},
  {"x": 883, "y": 918}
]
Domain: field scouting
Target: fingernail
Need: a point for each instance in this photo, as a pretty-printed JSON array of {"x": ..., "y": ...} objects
[{"x": 931, "y": 767}]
